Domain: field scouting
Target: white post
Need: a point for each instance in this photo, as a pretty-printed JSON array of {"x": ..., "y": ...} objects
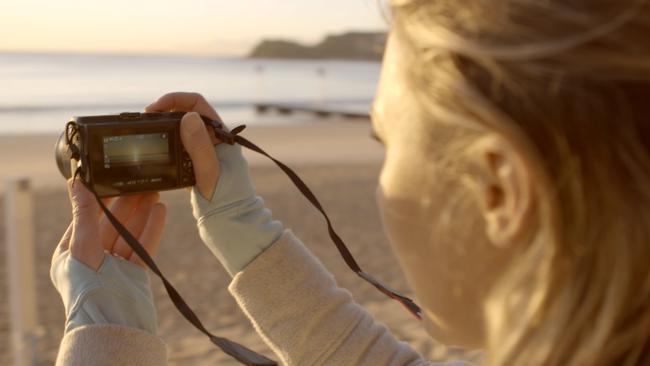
[
  {"x": 20, "y": 265},
  {"x": 322, "y": 73},
  {"x": 261, "y": 72}
]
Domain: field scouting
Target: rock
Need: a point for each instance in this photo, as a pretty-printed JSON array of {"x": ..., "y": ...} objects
[{"x": 347, "y": 46}]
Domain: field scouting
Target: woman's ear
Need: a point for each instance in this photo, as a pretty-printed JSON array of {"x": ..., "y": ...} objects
[{"x": 505, "y": 190}]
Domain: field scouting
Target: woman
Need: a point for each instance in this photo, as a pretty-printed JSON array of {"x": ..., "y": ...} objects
[{"x": 515, "y": 193}]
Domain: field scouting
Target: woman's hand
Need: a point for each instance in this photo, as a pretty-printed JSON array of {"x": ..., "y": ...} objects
[
  {"x": 97, "y": 287},
  {"x": 198, "y": 141},
  {"x": 91, "y": 234},
  {"x": 232, "y": 219}
]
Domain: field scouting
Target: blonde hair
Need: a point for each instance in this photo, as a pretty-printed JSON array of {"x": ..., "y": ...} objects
[{"x": 568, "y": 84}]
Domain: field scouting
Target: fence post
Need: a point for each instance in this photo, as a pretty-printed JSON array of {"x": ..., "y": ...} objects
[{"x": 19, "y": 224}]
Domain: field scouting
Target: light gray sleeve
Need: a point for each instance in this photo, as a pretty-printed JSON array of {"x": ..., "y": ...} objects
[
  {"x": 118, "y": 293},
  {"x": 234, "y": 223},
  {"x": 111, "y": 345},
  {"x": 303, "y": 315}
]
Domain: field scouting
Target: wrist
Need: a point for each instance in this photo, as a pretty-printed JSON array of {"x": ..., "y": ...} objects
[
  {"x": 238, "y": 233},
  {"x": 118, "y": 293}
]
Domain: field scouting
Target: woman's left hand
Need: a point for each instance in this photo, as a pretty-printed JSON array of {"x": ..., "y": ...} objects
[
  {"x": 90, "y": 234},
  {"x": 100, "y": 280}
]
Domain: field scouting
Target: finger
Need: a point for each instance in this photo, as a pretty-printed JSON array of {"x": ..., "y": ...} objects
[
  {"x": 189, "y": 102},
  {"x": 135, "y": 224},
  {"x": 121, "y": 209},
  {"x": 197, "y": 142},
  {"x": 186, "y": 102},
  {"x": 85, "y": 245},
  {"x": 64, "y": 243},
  {"x": 152, "y": 233}
]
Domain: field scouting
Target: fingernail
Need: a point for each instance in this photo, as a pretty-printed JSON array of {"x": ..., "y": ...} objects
[{"x": 193, "y": 122}]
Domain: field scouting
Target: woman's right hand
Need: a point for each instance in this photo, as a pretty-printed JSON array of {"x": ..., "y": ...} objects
[
  {"x": 232, "y": 219},
  {"x": 197, "y": 139}
]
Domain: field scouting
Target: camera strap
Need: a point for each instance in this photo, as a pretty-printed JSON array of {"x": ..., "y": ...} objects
[{"x": 235, "y": 350}]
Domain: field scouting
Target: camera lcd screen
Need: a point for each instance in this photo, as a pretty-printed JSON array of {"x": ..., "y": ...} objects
[{"x": 143, "y": 149}]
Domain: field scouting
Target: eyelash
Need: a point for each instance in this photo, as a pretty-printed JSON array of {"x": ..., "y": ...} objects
[{"x": 376, "y": 137}]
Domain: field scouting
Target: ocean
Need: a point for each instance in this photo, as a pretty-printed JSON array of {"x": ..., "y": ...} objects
[{"x": 40, "y": 92}]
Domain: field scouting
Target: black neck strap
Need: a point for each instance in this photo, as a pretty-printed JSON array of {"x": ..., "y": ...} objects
[{"x": 237, "y": 351}]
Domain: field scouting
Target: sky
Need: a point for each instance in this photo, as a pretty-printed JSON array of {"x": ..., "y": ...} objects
[{"x": 213, "y": 27}]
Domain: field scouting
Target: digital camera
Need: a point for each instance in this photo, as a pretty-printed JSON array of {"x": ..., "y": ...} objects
[{"x": 126, "y": 154}]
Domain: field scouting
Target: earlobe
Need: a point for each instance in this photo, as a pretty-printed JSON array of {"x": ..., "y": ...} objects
[{"x": 505, "y": 190}]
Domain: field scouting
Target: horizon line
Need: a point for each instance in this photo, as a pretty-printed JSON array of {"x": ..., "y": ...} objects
[
  {"x": 116, "y": 53},
  {"x": 45, "y": 51}
]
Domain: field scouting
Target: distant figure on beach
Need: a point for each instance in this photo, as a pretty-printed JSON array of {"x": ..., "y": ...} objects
[{"x": 515, "y": 193}]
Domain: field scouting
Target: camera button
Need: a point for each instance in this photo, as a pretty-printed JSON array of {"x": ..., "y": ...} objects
[{"x": 130, "y": 116}]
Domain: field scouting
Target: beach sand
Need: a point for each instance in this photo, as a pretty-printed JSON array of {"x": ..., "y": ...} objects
[{"x": 338, "y": 161}]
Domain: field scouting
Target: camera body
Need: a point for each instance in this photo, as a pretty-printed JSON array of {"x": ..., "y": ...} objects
[{"x": 127, "y": 153}]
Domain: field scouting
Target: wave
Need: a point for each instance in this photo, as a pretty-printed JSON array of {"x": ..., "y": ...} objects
[{"x": 235, "y": 104}]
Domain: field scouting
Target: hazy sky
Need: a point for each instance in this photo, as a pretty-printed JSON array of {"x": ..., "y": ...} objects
[{"x": 227, "y": 27}]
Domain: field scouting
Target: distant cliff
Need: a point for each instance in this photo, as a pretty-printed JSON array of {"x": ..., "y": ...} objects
[{"x": 347, "y": 46}]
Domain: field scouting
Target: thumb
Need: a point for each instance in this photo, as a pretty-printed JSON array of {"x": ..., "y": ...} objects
[
  {"x": 199, "y": 146},
  {"x": 85, "y": 243}
]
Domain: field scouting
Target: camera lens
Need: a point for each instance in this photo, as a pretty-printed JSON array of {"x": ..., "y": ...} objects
[{"x": 62, "y": 155}]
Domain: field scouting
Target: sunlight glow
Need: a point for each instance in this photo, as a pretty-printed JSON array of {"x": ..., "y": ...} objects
[{"x": 219, "y": 27}]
